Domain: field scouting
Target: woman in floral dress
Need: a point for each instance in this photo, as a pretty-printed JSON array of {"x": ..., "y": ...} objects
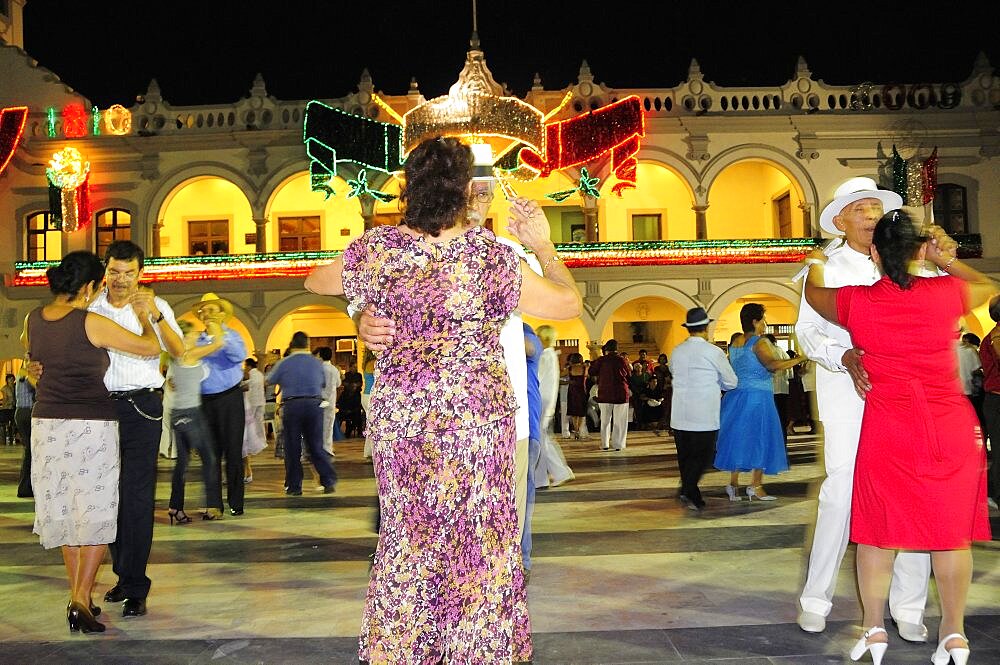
[{"x": 446, "y": 581}]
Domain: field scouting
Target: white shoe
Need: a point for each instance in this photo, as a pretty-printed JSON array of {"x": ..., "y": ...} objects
[
  {"x": 911, "y": 632},
  {"x": 991, "y": 504},
  {"x": 731, "y": 492},
  {"x": 956, "y": 655},
  {"x": 877, "y": 649},
  {"x": 752, "y": 494},
  {"x": 811, "y": 622}
]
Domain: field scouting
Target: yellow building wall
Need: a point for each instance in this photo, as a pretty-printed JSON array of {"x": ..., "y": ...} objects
[
  {"x": 573, "y": 329},
  {"x": 776, "y": 311},
  {"x": 340, "y": 217},
  {"x": 741, "y": 202},
  {"x": 203, "y": 199},
  {"x": 663, "y": 319},
  {"x": 658, "y": 189}
]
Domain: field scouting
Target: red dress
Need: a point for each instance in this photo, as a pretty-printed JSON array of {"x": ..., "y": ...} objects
[{"x": 920, "y": 476}]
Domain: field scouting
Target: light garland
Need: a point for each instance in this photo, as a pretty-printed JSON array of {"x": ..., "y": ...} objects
[
  {"x": 118, "y": 120},
  {"x": 332, "y": 135},
  {"x": 297, "y": 265},
  {"x": 614, "y": 128},
  {"x": 474, "y": 114},
  {"x": 74, "y": 121},
  {"x": 12, "y": 121},
  {"x": 68, "y": 174}
]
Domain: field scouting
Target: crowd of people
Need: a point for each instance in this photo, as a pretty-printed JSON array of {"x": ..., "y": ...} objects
[{"x": 458, "y": 405}]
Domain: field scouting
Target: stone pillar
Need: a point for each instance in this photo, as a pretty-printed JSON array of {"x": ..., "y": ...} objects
[
  {"x": 807, "y": 225},
  {"x": 157, "y": 227},
  {"x": 700, "y": 222},
  {"x": 368, "y": 210},
  {"x": 590, "y": 218},
  {"x": 261, "y": 224}
]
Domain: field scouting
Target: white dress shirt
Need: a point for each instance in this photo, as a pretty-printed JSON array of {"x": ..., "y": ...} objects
[
  {"x": 128, "y": 371},
  {"x": 968, "y": 362},
  {"x": 780, "y": 378},
  {"x": 255, "y": 385},
  {"x": 701, "y": 372},
  {"x": 826, "y": 342},
  {"x": 332, "y": 381}
]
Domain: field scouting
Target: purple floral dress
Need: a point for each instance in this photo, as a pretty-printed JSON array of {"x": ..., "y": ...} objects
[{"x": 447, "y": 580}]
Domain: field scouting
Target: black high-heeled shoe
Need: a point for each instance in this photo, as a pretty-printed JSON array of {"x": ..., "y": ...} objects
[
  {"x": 79, "y": 618},
  {"x": 94, "y": 609},
  {"x": 179, "y": 515},
  {"x": 212, "y": 514}
]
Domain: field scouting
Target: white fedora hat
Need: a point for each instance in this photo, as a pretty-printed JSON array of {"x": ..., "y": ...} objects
[{"x": 853, "y": 190}]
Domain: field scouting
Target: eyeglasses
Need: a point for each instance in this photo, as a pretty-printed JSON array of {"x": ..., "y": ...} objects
[{"x": 484, "y": 195}]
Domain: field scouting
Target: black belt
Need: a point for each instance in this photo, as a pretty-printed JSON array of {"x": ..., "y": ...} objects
[
  {"x": 289, "y": 399},
  {"x": 129, "y": 394}
]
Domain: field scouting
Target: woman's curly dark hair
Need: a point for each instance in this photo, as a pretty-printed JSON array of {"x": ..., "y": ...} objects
[
  {"x": 897, "y": 241},
  {"x": 437, "y": 173},
  {"x": 75, "y": 271}
]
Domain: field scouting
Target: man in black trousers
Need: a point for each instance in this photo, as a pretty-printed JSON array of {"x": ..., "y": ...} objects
[{"x": 136, "y": 387}]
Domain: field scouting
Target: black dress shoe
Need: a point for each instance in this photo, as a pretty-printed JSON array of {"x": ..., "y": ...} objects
[
  {"x": 291, "y": 492},
  {"x": 236, "y": 511},
  {"x": 134, "y": 607},
  {"x": 115, "y": 595}
]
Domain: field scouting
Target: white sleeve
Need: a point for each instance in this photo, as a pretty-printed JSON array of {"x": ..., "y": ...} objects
[
  {"x": 548, "y": 382},
  {"x": 811, "y": 331},
  {"x": 727, "y": 377},
  {"x": 168, "y": 318}
]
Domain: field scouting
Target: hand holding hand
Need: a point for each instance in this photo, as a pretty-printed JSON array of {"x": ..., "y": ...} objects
[
  {"x": 852, "y": 362},
  {"x": 528, "y": 224},
  {"x": 143, "y": 301},
  {"x": 941, "y": 248},
  {"x": 377, "y": 333}
]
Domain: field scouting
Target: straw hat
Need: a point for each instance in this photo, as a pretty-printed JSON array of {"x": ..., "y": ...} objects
[{"x": 227, "y": 307}]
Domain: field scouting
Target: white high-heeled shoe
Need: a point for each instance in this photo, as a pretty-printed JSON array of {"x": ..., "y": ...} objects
[
  {"x": 752, "y": 494},
  {"x": 957, "y": 655},
  {"x": 877, "y": 649},
  {"x": 733, "y": 494}
]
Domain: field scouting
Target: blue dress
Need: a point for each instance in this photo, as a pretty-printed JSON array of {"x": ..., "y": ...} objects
[{"x": 749, "y": 430}]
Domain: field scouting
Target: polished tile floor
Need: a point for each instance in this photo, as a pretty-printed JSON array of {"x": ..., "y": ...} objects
[{"x": 622, "y": 573}]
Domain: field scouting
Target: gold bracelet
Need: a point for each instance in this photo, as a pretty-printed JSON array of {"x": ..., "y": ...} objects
[
  {"x": 548, "y": 262},
  {"x": 948, "y": 265}
]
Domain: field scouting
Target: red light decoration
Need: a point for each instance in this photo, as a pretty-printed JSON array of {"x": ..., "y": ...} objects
[
  {"x": 12, "y": 121},
  {"x": 615, "y": 128},
  {"x": 75, "y": 121}
]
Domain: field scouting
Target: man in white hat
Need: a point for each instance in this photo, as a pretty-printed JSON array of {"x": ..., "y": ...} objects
[
  {"x": 700, "y": 373},
  {"x": 857, "y": 206}
]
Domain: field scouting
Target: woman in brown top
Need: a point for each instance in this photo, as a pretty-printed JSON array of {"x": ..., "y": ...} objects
[{"x": 74, "y": 435}]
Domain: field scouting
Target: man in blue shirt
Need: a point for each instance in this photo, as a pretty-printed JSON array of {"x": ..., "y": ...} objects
[
  {"x": 222, "y": 396},
  {"x": 300, "y": 376}
]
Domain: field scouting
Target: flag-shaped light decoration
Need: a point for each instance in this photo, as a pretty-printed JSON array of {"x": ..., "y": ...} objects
[
  {"x": 12, "y": 122},
  {"x": 914, "y": 179},
  {"x": 478, "y": 110},
  {"x": 69, "y": 189}
]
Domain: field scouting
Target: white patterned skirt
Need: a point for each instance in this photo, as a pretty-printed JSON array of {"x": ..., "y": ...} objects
[{"x": 74, "y": 475}]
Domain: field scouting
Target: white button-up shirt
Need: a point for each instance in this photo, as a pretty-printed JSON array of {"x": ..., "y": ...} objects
[
  {"x": 128, "y": 371},
  {"x": 701, "y": 372},
  {"x": 826, "y": 342}
]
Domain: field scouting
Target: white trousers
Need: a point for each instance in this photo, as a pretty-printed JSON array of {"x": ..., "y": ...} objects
[
  {"x": 911, "y": 570},
  {"x": 551, "y": 461},
  {"x": 563, "y": 418},
  {"x": 329, "y": 413},
  {"x": 614, "y": 424}
]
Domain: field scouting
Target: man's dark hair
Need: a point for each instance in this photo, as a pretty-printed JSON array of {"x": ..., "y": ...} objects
[
  {"x": 611, "y": 346},
  {"x": 325, "y": 353},
  {"x": 972, "y": 338},
  {"x": 696, "y": 329},
  {"x": 300, "y": 340},
  {"x": 124, "y": 250},
  {"x": 251, "y": 363}
]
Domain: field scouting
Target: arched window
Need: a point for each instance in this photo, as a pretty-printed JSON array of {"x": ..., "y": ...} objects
[
  {"x": 951, "y": 208},
  {"x": 44, "y": 239},
  {"x": 112, "y": 224}
]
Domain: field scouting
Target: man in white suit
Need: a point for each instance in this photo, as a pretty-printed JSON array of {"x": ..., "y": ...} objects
[{"x": 857, "y": 206}]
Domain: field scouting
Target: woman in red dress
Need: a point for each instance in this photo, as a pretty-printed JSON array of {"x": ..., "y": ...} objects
[{"x": 920, "y": 475}]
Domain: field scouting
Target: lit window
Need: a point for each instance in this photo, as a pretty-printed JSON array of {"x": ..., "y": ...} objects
[
  {"x": 111, "y": 225},
  {"x": 951, "y": 211},
  {"x": 646, "y": 226},
  {"x": 44, "y": 238},
  {"x": 299, "y": 234},
  {"x": 208, "y": 237}
]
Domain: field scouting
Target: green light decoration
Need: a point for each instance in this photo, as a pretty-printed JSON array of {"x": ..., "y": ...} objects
[
  {"x": 360, "y": 188},
  {"x": 50, "y": 122},
  {"x": 95, "y": 121},
  {"x": 587, "y": 187}
]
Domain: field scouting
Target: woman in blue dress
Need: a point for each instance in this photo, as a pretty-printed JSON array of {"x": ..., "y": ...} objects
[{"x": 750, "y": 437}]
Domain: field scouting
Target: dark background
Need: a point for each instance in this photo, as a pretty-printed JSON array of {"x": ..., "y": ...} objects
[{"x": 208, "y": 52}]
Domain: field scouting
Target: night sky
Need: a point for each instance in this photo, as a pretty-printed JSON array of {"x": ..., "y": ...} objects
[{"x": 208, "y": 52}]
